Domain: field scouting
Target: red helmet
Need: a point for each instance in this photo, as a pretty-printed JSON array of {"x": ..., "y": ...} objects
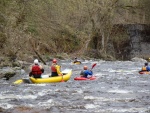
[
  {"x": 54, "y": 61},
  {"x": 85, "y": 67}
]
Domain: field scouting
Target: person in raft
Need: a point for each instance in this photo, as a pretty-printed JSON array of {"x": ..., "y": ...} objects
[
  {"x": 55, "y": 69},
  {"x": 36, "y": 70},
  {"x": 86, "y": 73}
]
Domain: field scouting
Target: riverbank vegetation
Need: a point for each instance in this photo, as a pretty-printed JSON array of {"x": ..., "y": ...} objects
[{"x": 51, "y": 28}]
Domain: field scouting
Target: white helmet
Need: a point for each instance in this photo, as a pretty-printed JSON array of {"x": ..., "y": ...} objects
[{"x": 36, "y": 61}]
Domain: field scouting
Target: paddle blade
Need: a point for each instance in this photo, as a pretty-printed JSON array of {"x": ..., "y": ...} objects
[
  {"x": 94, "y": 65},
  {"x": 18, "y": 81},
  {"x": 62, "y": 81}
]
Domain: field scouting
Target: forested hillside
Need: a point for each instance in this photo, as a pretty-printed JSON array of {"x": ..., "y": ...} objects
[{"x": 75, "y": 27}]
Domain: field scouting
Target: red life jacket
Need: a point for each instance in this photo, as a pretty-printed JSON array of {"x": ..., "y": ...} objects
[
  {"x": 36, "y": 70},
  {"x": 53, "y": 68}
]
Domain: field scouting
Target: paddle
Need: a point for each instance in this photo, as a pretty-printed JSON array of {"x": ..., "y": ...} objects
[
  {"x": 59, "y": 71},
  {"x": 93, "y": 65},
  {"x": 64, "y": 72},
  {"x": 62, "y": 78},
  {"x": 23, "y": 80},
  {"x": 18, "y": 81}
]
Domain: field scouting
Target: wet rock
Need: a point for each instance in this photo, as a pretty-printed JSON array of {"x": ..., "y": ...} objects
[
  {"x": 136, "y": 59},
  {"x": 21, "y": 109},
  {"x": 1, "y": 109},
  {"x": 7, "y": 73},
  {"x": 132, "y": 100},
  {"x": 3, "y": 71},
  {"x": 9, "y": 67}
]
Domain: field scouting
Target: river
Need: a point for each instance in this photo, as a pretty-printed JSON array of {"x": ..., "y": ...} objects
[{"x": 119, "y": 88}]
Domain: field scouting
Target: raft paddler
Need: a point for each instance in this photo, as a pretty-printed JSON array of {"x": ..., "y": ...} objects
[
  {"x": 36, "y": 70},
  {"x": 55, "y": 69}
]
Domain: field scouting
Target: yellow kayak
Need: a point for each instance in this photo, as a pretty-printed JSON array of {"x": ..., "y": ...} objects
[
  {"x": 77, "y": 62},
  {"x": 66, "y": 76}
]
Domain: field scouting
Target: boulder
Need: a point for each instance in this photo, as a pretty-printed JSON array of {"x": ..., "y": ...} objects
[
  {"x": 136, "y": 59},
  {"x": 7, "y": 72}
]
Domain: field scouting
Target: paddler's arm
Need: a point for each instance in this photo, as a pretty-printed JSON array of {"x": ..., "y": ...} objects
[
  {"x": 90, "y": 73},
  {"x": 42, "y": 69}
]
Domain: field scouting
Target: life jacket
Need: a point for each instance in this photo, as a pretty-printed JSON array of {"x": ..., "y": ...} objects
[
  {"x": 53, "y": 68},
  {"x": 144, "y": 68},
  {"x": 36, "y": 70}
]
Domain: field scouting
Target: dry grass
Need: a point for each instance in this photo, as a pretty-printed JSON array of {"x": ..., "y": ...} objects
[{"x": 57, "y": 27}]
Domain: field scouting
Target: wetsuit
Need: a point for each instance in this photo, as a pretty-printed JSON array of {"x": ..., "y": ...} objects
[
  {"x": 148, "y": 68},
  {"x": 85, "y": 73}
]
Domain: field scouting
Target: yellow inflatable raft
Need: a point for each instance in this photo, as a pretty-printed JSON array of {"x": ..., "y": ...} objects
[{"x": 66, "y": 76}]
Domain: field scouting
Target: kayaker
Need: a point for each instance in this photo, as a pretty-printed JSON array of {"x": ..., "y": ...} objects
[
  {"x": 86, "y": 73},
  {"x": 55, "y": 69},
  {"x": 36, "y": 69},
  {"x": 76, "y": 60},
  {"x": 144, "y": 67}
]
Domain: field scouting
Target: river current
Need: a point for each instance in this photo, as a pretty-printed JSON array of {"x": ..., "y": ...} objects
[{"x": 119, "y": 88}]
